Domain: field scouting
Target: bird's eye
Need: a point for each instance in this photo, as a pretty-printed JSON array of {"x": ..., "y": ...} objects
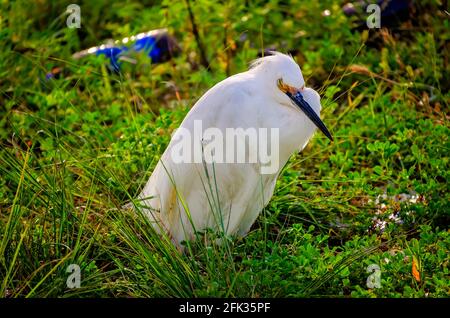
[{"x": 283, "y": 87}]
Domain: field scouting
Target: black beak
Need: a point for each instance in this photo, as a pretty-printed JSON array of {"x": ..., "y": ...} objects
[{"x": 298, "y": 99}]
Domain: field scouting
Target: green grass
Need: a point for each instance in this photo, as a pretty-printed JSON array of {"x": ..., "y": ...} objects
[{"x": 75, "y": 149}]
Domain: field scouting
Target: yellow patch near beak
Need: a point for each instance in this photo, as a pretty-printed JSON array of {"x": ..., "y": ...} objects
[{"x": 286, "y": 88}]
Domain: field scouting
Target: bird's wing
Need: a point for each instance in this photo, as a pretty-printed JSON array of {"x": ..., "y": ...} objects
[{"x": 174, "y": 186}]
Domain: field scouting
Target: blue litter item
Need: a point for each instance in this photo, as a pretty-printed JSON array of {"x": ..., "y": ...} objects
[{"x": 158, "y": 45}]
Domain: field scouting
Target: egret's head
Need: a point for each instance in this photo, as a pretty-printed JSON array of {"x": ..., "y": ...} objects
[{"x": 285, "y": 77}]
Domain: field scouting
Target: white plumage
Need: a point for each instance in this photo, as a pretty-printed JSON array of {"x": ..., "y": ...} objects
[{"x": 252, "y": 99}]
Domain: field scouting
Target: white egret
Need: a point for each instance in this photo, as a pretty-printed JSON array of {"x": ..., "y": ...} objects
[{"x": 182, "y": 197}]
